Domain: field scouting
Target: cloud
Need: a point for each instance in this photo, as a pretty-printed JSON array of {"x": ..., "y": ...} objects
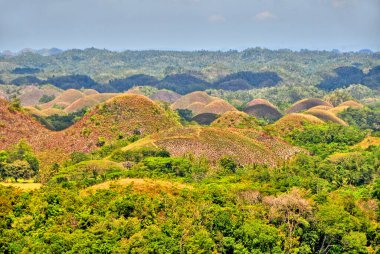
[
  {"x": 265, "y": 15},
  {"x": 216, "y": 18}
]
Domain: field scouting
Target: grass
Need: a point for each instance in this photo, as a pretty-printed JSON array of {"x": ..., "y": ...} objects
[
  {"x": 245, "y": 146},
  {"x": 25, "y": 186},
  {"x": 144, "y": 185},
  {"x": 306, "y": 104}
]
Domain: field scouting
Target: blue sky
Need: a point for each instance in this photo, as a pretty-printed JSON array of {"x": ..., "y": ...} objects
[{"x": 190, "y": 24}]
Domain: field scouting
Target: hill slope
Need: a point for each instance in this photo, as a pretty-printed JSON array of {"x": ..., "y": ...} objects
[{"x": 246, "y": 146}]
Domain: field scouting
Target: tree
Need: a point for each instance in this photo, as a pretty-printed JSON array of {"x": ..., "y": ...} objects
[{"x": 19, "y": 169}]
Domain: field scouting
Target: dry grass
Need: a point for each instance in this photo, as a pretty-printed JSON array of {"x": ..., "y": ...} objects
[
  {"x": 369, "y": 141},
  {"x": 186, "y": 100},
  {"x": 24, "y": 186},
  {"x": 246, "y": 146},
  {"x": 196, "y": 107},
  {"x": 326, "y": 116},
  {"x": 345, "y": 105},
  {"x": 53, "y": 111},
  {"x": 263, "y": 111},
  {"x": 306, "y": 104},
  {"x": 30, "y": 95},
  {"x": 259, "y": 102},
  {"x": 218, "y": 107},
  {"x": 141, "y": 185},
  {"x": 64, "y": 99},
  {"x": 293, "y": 121},
  {"x": 89, "y": 91},
  {"x": 235, "y": 119},
  {"x": 84, "y": 102},
  {"x": 166, "y": 96}
]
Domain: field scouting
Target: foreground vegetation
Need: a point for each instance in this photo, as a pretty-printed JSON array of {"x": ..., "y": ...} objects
[{"x": 325, "y": 200}]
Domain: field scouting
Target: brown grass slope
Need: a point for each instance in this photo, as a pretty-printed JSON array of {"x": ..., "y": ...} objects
[
  {"x": 293, "y": 121},
  {"x": 246, "y": 146},
  {"x": 166, "y": 96},
  {"x": 218, "y": 107},
  {"x": 16, "y": 125},
  {"x": 64, "y": 99},
  {"x": 326, "y": 116},
  {"x": 123, "y": 114},
  {"x": 261, "y": 108},
  {"x": 188, "y": 99},
  {"x": 306, "y": 104},
  {"x": 235, "y": 119},
  {"x": 30, "y": 95},
  {"x": 89, "y": 101},
  {"x": 345, "y": 105}
]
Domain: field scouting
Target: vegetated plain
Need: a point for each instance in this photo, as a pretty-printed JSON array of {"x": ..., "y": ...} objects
[{"x": 253, "y": 151}]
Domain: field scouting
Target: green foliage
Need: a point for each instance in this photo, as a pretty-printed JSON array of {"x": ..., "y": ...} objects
[
  {"x": 364, "y": 118},
  {"x": 18, "y": 162},
  {"x": 326, "y": 139},
  {"x": 229, "y": 164},
  {"x": 138, "y": 154},
  {"x": 46, "y": 98},
  {"x": 15, "y": 104},
  {"x": 61, "y": 122}
]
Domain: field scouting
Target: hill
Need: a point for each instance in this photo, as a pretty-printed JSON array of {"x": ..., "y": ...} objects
[
  {"x": 64, "y": 99},
  {"x": 263, "y": 109},
  {"x": 246, "y": 146},
  {"x": 202, "y": 103},
  {"x": 235, "y": 119},
  {"x": 343, "y": 106},
  {"x": 123, "y": 115},
  {"x": 326, "y": 116},
  {"x": 306, "y": 104},
  {"x": 16, "y": 125},
  {"x": 166, "y": 96},
  {"x": 293, "y": 121}
]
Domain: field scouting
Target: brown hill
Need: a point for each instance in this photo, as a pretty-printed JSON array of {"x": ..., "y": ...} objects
[
  {"x": 122, "y": 115},
  {"x": 343, "y": 106},
  {"x": 246, "y": 146},
  {"x": 166, "y": 96},
  {"x": 218, "y": 107},
  {"x": 259, "y": 101},
  {"x": 326, "y": 116},
  {"x": 261, "y": 108},
  {"x": 16, "y": 125},
  {"x": 293, "y": 121},
  {"x": 196, "y": 107},
  {"x": 89, "y": 91},
  {"x": 235, "y": 119},
  {"x": 30, "y": 95},
  {"x": 188, "y": 99},
  {"x": 64, "y": 99},
  {"x": 306, "y": 104},
  {"x": 205, "y": 118},
  {"x": 89, "y": 101}
]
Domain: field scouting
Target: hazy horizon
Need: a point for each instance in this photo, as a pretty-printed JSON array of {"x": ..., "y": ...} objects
[{"x": 188, "y": 25}]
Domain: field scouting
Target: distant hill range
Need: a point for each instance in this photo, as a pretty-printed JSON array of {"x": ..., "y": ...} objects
[{"x": 184, "y": 72}]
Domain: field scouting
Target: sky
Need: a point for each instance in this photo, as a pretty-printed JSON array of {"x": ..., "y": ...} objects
[{"x": 347, "y": 25}]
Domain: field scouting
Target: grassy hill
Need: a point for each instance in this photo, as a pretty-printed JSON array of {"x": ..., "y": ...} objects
[{"x": 246, "y": 146}]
